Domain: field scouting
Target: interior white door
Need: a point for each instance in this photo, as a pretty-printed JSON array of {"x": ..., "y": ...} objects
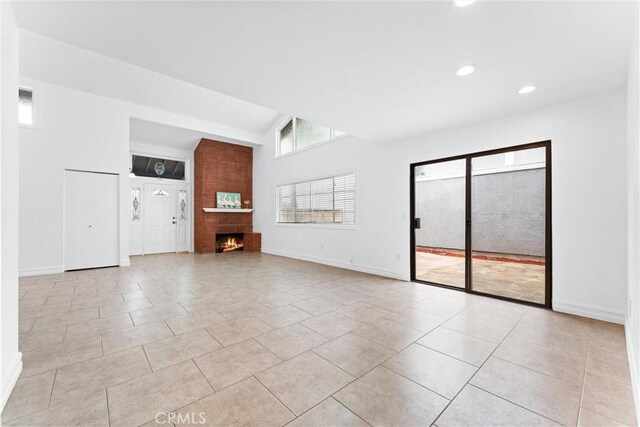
[
  {"x": 159, "y": 218},
  {"x": 91, "y": 220}
]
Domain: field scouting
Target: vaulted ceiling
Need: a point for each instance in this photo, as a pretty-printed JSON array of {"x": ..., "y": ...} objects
[{"x": 379, "y": 70}]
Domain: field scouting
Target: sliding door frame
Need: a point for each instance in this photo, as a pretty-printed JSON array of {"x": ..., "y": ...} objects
[{"x": 468, "y": 220}]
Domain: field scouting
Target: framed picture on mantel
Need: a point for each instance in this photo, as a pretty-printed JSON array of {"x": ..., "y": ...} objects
[{"x": 228, "y": 200}]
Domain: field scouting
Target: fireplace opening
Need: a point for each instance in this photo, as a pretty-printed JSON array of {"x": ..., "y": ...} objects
[{"x": 229, "y": 242}]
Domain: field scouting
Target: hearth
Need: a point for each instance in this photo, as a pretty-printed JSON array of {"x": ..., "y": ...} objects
[{"x": 229, "y": 242}]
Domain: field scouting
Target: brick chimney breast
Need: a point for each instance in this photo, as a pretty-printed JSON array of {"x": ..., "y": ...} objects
[{"x": 220, "y": 166}]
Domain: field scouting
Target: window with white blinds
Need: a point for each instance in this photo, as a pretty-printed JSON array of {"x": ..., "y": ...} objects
[{"x": 321, "y": 201}]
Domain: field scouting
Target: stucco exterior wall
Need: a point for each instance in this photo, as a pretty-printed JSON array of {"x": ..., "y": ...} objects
[{"x": 508, "y": 212}]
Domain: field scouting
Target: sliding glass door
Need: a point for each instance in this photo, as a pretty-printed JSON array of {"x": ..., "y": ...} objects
[
  {"x": 482, "y": 222},
  {"x": 440, "y": 225}
]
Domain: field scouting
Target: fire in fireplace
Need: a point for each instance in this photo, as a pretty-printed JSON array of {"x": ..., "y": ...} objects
[{"x": 229, "y": 242}]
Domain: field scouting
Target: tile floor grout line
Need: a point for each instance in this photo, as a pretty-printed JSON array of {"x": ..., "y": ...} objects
[
  {"x": 274, "y": 355},
  {"x": 322, "y": 401},
  {"x": 501, "y": 397},
  {"x": 514, "y": 403},
  {"x": 474, "y": 374},
  {"x": 417, "y": 383},
  {"x": 172, "y": 331},
  {"x": 131, "y": 317},
  {"x": 448, "y": 355},
  {"x": 53, "y": 384},
  {"x": 214, "y": 338},
  {"x": 273, "y": 394},
  {"x": 381, "y": 364},
  {"x": 64, "y": 336},
  {"x": 584, "y": 376},
  {"x": 348, "y": 409},
  {"x": 106, "y": 392},
  {"x": 145, "y": 355},
  {"x": 202, "y": 373},
  {"x": 472, "y": 336},
  {"x": 301, "y": 309}
]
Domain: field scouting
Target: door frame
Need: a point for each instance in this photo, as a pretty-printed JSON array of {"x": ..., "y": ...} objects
[
  {"x": 468, "y": 227},
  {"x": 141, "y": 182}
]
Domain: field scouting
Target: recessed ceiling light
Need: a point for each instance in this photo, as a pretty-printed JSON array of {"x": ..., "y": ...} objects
[
  {"x": 526, "y": 89},
  {"x": 463, "y": 3},
  {"x": 465, "y": 70}
]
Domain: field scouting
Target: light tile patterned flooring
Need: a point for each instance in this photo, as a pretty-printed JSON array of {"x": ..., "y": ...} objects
[{"x": 251, "y": 339}]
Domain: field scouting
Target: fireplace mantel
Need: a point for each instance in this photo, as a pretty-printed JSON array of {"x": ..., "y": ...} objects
[{"x": 227, "y": 210}]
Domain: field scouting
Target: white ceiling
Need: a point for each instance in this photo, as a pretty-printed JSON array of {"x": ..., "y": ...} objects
[
  {"x": 380, "y": 70},
  {"x": 49, "y": 60},
  {"x": 163, "y": 135}
]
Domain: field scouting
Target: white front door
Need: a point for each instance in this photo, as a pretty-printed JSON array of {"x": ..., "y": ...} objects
[
  {"x": 160, "y": 218},
  {"x": 91, "y": 220}
]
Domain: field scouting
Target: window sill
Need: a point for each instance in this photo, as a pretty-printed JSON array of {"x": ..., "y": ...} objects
[
  {"x": 311, "y": 225},
  {"x": 311, "y": 147}
]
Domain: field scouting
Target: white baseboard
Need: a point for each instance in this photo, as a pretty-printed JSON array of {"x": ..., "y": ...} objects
[
  {"x": 633, "y": 370},
  {"x": 125, "y": 262},
  {"x": 10, "y": 380},
  {"x": 339, "y": 264},
  {"x": 591, "y": 311},
  {"x": 40, "y": 271}
]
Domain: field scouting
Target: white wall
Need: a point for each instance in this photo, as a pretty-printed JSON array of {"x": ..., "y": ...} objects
[
  {"x": 76, "y": 130},
  {"x": 633, "y": 191},
  {"x": 589, "y": 197},
  {"x": 10, "y": 358}
]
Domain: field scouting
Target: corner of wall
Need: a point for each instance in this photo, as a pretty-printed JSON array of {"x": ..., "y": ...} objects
[
  {"x": 633, "y": 370},
  {"x": 590, "y": 311},
  {"x": 339, "y": 264},
  {"x": 632, "y": 321},
  {"x": 10, "y": 357},
  {"x": 39, "y": 271},
  {"x": 10, "y": 379}
]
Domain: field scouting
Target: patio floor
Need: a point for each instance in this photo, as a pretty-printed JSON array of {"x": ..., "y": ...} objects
[{"x": 513, "y": 276}]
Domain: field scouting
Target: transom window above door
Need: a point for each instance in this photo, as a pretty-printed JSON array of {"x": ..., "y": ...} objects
[
  {"x": 157, "y": 167},
  {"x": 296, "y": 134}
]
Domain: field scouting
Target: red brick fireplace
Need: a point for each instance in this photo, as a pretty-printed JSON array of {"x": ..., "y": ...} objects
[{"x": 219, "y": 166}]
